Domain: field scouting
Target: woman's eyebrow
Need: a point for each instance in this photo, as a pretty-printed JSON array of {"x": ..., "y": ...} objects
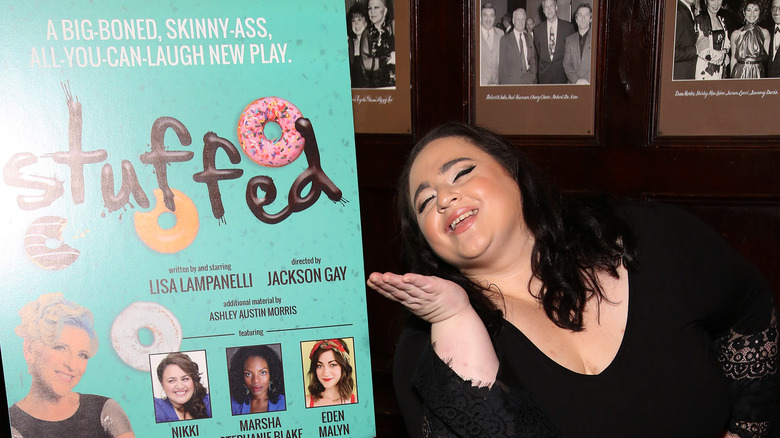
[
  {"x": 420, "y": 188},
  {"x": 444, "y": 167}
]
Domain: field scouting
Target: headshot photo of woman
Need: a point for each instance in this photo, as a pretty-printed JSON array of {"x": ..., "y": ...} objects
[
  {"x": 377, "y": 45},
  {"x": 256, "y": 379},
  {"x": 59, "y": 339},
  {"x": 184, "y": 397},
  {"x": 331, "y": 377}
]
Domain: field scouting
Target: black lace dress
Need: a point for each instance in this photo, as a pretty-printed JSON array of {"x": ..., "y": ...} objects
[{"x": 698, "y": 357}]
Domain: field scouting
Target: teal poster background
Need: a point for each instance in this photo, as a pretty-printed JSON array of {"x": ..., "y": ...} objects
[{"x": 135, "y": 73}]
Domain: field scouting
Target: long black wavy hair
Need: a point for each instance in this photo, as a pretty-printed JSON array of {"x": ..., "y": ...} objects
[
  {"x": 576, "y": 237},
  {"x": 236, "y": 373}
]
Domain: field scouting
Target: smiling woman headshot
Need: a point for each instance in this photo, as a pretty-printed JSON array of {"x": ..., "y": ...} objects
[
  {"x": 185, "y": 397},
  {"x": 544, "y": 314},
  {"x": 59, "y": 339},
  {"x": 331, "y": 380}
]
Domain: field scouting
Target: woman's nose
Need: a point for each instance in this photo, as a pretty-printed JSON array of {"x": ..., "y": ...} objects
[
  {"x": 445, "y": 200},
  {"x": 68, "y": 361}
]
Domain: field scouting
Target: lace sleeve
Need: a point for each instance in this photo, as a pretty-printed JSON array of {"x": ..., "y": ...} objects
[
  {"x": 750, "y": 363},
  {"x": 114, "y": 419},
  {"x": 452, "y": 407}
]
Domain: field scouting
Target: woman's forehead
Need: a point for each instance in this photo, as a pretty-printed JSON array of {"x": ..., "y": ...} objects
[
  {"x": 173, "y": 370},
  {"x": 73, "y": 334},
  {"x": 434, "y": 157}
]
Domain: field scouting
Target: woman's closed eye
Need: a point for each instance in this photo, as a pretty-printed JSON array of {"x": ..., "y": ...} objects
[
  {"x": 424, "y": 203},
  {"x": 464, "y": 172}
]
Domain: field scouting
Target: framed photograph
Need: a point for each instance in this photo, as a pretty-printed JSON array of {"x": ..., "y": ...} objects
[
  {"x": 534, "y": 66},
  {"x": 379, "y": 63},
  {"x": 718, "y": 70}
]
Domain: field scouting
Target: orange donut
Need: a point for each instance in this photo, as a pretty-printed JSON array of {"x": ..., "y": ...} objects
[{"x": 176, "y": 238}]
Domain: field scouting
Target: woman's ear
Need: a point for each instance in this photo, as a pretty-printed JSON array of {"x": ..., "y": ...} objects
[{"x": 27, "y": 349}]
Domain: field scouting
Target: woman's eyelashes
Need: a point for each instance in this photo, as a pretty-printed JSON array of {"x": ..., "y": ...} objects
[
  {"x": 424, "y": 203},
  {"x": 463, "y": 172},
  {"x": 460, "y": 173}
]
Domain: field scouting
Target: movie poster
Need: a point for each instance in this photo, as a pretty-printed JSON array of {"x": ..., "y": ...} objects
[{"x": 180, "y": 221}]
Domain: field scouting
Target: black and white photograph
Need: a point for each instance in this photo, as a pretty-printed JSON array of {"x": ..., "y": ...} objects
[
  {"x": 535, "y": 42},
  {"x": 371, "y": 32},
  {"x": 726, "y": 39},
  {"x": 718, "y": 68},
  {"x": 535, "y": 66},
  {"x": 378, "y": 43}
]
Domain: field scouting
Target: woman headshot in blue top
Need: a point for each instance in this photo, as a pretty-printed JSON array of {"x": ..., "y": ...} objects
[
  {"x": 185, "y": 396},
  {"x": 256, "y": 381}
]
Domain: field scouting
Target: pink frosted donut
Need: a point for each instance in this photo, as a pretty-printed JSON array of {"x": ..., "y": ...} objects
[{"x": 256, "y": 145}]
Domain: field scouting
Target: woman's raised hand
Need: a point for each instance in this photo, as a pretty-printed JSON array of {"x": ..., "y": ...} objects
[
  {"x": 433, "y": 299},
  {"x": 457, "y": 332}
]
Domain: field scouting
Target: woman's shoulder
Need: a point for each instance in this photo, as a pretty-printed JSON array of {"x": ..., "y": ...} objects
[
  {"x": 207, "y": 403},
  {"x": 93, "y": 399},
  {"x": 280, "y": 404},
  {"x": 237, "y": 407}
]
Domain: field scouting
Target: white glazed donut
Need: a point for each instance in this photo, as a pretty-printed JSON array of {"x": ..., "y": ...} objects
[
  {"x": 163, "y": 324},
  {"x": 41, "y": 230}
]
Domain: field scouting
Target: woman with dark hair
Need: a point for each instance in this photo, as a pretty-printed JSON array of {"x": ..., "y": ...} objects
[
  {"x": 330, "y": 374},
  {"x": 377, "y": 45},
  {"x": 526, "y": 324},
  {"x": 256, "y": 381},
  {"x": 712, "y": 41},
  {"x": 750, "y": 43},
  {"x": 357, "y": 20},
  {"x": 185, "y": 396}
]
